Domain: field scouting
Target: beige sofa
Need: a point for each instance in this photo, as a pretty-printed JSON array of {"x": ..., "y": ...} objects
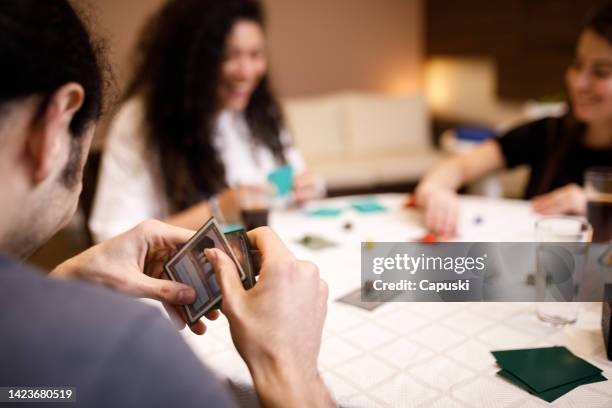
[{"x": 359, "y": 140}]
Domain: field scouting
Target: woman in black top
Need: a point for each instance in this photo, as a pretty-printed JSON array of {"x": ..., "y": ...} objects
[{"x": 559, "y": 150}]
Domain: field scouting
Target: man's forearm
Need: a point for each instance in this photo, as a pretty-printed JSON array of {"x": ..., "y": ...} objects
[{"x": 281, "y": 387}]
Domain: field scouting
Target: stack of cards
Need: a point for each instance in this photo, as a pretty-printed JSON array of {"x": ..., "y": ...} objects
[
  {"x": 191, "y": 267},
  {"x": 547, "y": 372}
]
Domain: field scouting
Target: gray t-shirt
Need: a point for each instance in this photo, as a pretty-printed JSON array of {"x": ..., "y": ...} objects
[{"x": 116, "y": 351}]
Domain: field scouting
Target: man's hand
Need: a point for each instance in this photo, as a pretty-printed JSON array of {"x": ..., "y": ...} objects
[
  {"x": 133, "y": 262},
  {"x": 276, "y": 326},
  {"x": 569, "y": 199}
]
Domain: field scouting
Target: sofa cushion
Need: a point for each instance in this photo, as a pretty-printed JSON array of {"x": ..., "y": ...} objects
[
  {"x": 317, "y": 126},
  {"x": 376, "y": 169},
  {"x": 384, "y": 124}
]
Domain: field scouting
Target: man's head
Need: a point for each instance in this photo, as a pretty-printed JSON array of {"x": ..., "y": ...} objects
[{"x": 51, "y": 89}]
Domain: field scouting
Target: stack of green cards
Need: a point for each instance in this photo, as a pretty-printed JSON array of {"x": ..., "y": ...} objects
[{"x": 547, "y": 372}]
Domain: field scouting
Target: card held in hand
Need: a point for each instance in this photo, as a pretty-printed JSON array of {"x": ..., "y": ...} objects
[
  {"x": 239, "y": 242},
  {"x": 191, "y": 267}
]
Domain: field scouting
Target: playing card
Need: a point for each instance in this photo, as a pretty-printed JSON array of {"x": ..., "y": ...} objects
[
  {"x": 190, "y": 266},
  {"x": 239, "y": 242}
]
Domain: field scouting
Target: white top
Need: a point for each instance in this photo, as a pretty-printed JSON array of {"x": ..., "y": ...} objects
[{"x": 130, "y": 183}]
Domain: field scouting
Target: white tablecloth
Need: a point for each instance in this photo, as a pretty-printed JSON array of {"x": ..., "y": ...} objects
[{"x": 420, "y": 354}]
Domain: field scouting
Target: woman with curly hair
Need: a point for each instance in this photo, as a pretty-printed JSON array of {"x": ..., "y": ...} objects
[{"x": 197, "y": 121}]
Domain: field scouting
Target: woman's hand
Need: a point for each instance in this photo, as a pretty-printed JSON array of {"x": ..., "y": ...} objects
[
  {"x": 441, "y": 209},
  {"x": 133, "y": 262},
  {"x": 569, "y": 199},
  {"x": 306, "y": 187},
  {"x": 229, "y": 205}
]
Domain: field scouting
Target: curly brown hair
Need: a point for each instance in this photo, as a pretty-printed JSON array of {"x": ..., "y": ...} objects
[{"x": 180, "y": 53}]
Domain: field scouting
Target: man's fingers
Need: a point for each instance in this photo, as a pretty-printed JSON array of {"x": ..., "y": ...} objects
[
  {"x": 165, "y": 290},
  {"x": 177, "y": 315},
  {"x": 212, "y": 315},
  {"x": 159, "y": 234},
  {"x": 198, "y": 328},
  {"x": 269, "y": 244},
  {"x": 228, "y": 277}
]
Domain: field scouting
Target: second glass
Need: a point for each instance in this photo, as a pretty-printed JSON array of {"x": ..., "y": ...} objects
[
  {"x": 560, "y": 262},
  {"x": 598, "y": 188},
  {"x": 255, "y": 202}
]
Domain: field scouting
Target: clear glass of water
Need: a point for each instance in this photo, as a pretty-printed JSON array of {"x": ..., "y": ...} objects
[{"x": 560, "y": 262}]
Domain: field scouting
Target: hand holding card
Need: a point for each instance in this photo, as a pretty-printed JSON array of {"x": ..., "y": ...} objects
[
  {"x": 132, "y": 263},
  {"x": 191, "y": 266},
  {"x": 277, "y": 323}
]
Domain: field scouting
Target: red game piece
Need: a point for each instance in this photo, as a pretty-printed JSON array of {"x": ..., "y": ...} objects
[
  {"x": 410, "y": 202},
  {"x": 429, "y": 238}
]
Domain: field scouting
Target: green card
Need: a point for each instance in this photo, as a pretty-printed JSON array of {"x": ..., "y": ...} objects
[
  {"x": 282, "y": 178},
  {"x": 553, "y": 393},
  {"x": 325, "y": 212},
  {"x": 368, "y": 206},
  {"x": 545, "y": 368}
]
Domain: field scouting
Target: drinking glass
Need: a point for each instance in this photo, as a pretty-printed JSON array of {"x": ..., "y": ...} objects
[
  {"x": 598, "y": 188},
  {"x": 255, "y": 201},
  {"x": 560, "y": 263}
]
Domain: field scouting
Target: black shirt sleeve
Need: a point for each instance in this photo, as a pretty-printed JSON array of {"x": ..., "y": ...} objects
[{"x": 527, "y": 143}]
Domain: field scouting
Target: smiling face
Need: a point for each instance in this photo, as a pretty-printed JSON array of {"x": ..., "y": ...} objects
[
  {"x": 589, "y": 79},
  {"x": 243, "y": 66}
]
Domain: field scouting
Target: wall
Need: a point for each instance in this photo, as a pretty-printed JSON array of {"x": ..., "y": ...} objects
[
  {"x": 316, "y": 46},
  {"x": 464, "y": 89},
  {"x": 531, "y": 42},
  {"x": 120, "y": 22},
  {"x": 321, "y": 46}
]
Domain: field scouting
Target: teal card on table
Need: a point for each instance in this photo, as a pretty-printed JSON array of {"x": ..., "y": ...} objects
[
  {"x": 368, "y": 206},
  {"x": 282, "y": 179},
  {"x": 325, "y": 212}
]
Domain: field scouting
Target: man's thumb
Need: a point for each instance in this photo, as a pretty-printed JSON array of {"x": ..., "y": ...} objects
[{"x": 228, "y": 277}]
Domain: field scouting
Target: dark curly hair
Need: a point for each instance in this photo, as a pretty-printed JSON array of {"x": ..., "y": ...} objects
[{"x": 179, "y": 59}]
